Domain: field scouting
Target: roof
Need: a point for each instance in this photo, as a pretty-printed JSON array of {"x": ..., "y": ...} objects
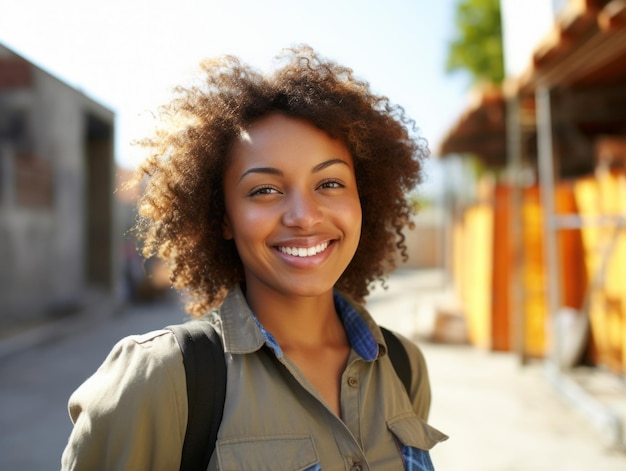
[
  {"x": 584, "y": 52},
  {"x": 18, "y": 73},
  {"x": 586, "y": 46},
  {"x": 480, "y": 130}
]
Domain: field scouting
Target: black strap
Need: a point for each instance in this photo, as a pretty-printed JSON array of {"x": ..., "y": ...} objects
[
  {"x": 205, "y": 371},
  {"x": 399, "y": 358}
]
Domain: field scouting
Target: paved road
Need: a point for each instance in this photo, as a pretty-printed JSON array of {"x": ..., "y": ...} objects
[
  {"x": 36, "y": 383},
  {"x": 500, "y": 417}
]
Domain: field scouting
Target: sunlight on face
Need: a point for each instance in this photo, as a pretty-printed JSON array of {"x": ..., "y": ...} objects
[{"x": 292, "y": 207}]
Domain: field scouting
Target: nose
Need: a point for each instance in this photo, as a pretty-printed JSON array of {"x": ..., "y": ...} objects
[{"x": 302, "y": 210}]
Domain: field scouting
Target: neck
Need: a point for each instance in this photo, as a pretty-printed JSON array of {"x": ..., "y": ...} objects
[{"x": 298, "y": 321}]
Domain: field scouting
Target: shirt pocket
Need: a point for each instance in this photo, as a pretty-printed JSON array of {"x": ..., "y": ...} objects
[
  {"x": 275, "y": 453},
  {"x": 415, "y": 438}
]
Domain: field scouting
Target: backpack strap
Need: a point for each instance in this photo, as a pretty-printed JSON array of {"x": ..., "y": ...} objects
[
  {"x": 205, "y": 372},
  {"x": 399, "y": 358}
]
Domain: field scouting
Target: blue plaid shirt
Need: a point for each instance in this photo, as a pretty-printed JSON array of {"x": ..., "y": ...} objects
[{"x": 364, "y": 344}]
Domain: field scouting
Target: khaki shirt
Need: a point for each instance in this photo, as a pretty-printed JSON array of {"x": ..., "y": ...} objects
[{"x": 132, "y": 413}]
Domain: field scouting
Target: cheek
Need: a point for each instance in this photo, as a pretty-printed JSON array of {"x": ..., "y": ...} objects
[
  {"x": 358, "y": 224},
  {"x": 350, "y": 216},
  {"x": 352, "y": 210},
  {"x": 357, "y": 220},
  {"x": 247, "y": 222}
]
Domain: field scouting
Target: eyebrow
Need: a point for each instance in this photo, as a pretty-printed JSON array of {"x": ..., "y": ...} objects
[{"x": 274, "y": 171}]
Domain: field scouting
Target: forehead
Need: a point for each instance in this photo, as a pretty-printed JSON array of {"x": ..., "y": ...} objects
[{"x": 279, "y": 135}]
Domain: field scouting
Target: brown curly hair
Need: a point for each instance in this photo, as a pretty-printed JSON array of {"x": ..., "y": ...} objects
[{"x": 182, "y": 207}]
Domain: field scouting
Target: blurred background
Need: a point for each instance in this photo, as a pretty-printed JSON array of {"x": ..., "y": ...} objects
[{"x": 516, "y": 281}]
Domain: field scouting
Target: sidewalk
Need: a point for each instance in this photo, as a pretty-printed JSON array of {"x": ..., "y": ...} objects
[
  {"x": 40, "y": 369},
  {"x": 500, "y": 416}
]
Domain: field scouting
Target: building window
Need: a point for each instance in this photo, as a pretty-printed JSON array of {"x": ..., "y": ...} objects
[
  {"x": 33, "y": 181},
  {"x": 16, "y": 129},
  {"x": 31, "y": 175}
]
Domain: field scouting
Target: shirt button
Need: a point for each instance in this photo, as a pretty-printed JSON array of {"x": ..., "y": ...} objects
[
  {"x": 356, "y": 467},
  {"x": 353, "y": 383}
]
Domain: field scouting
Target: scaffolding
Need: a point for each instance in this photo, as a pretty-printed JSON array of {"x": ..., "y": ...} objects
[{"x": 600, "y": 415}]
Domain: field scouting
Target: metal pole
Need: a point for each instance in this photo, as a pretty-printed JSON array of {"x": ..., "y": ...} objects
[
  {"x": 550, "y": 244},
  {"x": 514, "y": 161}
]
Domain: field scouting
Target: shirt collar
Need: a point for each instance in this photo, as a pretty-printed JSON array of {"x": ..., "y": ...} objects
[
  {"x": 243, "y": 333},
  {"x": 359, "y": 334},
  {"x": 240, "y": 329}
]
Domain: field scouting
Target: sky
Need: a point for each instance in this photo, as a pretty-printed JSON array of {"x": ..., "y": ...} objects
[{"x": 128, "y": 54}]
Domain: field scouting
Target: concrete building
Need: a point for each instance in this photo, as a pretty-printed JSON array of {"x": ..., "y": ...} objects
[{"x": 57, "y": 242}]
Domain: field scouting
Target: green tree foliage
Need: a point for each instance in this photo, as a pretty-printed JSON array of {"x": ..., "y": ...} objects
[{"x": 477, "y": 48}]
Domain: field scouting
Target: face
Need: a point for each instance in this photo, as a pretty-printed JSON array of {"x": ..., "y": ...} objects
[{"x": 292, "y": 207}]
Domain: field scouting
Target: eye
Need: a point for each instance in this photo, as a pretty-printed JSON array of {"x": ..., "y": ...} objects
[
  {"x": 263, "y": 190},
  {"x": 330, "y": 184}
]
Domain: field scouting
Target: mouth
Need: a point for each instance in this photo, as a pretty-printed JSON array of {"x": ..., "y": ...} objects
[{"x": 304, "y": 251}]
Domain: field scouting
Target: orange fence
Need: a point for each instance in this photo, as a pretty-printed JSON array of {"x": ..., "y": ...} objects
[
  {"x": 605, "y": 260},
  {"x": 484, "y": 263}
]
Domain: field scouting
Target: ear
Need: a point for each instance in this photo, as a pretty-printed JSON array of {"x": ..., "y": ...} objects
[{"x": 227, "y": 231}]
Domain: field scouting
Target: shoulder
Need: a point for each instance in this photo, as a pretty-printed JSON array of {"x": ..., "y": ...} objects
[
  {"x": 135, "y": 402},
  {"x": 149, "y": 365},
  {"x": 160, "y": 343},
  {"x": 154, "y": 353}
]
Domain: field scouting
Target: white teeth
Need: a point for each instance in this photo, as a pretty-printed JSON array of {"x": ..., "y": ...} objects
[{"x": 303, "y": 251}]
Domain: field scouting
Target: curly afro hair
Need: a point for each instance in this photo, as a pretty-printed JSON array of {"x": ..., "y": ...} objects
[{"x": 182, "y": 206}]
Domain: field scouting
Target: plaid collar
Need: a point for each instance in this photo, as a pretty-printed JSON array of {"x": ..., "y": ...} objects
[{"x": 359, "y": 334}]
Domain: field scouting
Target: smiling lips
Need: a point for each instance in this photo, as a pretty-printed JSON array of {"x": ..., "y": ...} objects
[{"x": 304, "y": 251}]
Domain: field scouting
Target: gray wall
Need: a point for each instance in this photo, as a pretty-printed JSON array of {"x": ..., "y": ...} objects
[{"x": 56, "y": 180}]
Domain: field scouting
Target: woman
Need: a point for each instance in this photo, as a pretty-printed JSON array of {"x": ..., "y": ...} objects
[{"x": 277, "y": 200}]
